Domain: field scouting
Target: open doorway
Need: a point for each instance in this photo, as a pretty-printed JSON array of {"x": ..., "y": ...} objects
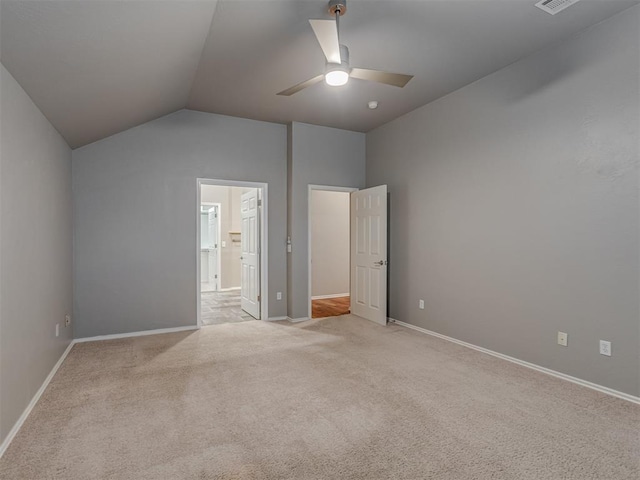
[
  {"x": 329, "y": 251},
  {"x": 231, "y": 269}
]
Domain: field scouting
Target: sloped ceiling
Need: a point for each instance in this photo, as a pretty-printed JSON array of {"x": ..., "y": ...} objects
[{"x": 97, "y": 67}]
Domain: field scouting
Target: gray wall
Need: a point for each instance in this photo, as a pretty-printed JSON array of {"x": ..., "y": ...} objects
[
  {"x": 320, "y": 156},
  {"x": 35, "y": 249},
  {"x": 330, "y": 236},
  {"x": 135, "y": 216},
  {"x": 514, "y": 207}
]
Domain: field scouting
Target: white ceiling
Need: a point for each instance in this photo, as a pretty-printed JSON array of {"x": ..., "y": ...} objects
[{"x": 97, "y": 67}]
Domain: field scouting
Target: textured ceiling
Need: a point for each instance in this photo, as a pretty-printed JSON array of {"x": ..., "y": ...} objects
[{"x": 98, "y": 67}]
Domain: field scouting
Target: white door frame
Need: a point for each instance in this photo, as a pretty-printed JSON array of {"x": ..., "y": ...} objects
[
  {"x": 218, "y": 263},
  {"x": 264, "y": 251},
  {"x": 326, "y": 188}
]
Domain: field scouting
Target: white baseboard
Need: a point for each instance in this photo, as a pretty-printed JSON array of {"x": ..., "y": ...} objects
[
  {"x": 16, "y": 427},
  {"x": 230, "y": 289},
  {"x": 296, "y": 320},
  {"x": 533, "y": 366},
  {"x": 276, "y": 319},
  {"x": 333, "y": 295},
  {"x": 135, "y": 334}
]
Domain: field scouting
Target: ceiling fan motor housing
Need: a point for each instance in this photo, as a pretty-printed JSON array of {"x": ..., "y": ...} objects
[
  {"x": 344, "y": 56},
  {"x": 337, "y": 6}
]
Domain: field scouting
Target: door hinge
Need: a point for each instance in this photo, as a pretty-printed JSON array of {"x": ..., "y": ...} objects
[
  {"x": 215, "y": 276},
  {"x": 259, "y": 202},
  {"x": 258, "y": 297}
]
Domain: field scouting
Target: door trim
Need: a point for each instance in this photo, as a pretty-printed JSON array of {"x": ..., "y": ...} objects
[
  {"x": 264, "y": 250},
  {"x": 326, "y": 188}
]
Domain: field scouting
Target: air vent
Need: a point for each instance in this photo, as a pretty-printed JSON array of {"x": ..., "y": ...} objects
[{"x": 555, "y": 6}]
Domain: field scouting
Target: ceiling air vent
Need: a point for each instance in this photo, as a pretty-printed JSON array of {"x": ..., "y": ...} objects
[{"x": 555, "y": 6}]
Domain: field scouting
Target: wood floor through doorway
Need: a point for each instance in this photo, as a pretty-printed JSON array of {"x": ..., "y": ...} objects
[{"x": 330, "y": 307}]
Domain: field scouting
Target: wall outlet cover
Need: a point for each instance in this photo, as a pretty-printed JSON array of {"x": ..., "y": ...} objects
[
  {"x": 421, "y": 304},
  {"x": 563, "y": 339},
  {"x": 605, "y": 348}
]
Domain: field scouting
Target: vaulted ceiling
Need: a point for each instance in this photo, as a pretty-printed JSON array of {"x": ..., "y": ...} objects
[{"x": 97, "y": 67}]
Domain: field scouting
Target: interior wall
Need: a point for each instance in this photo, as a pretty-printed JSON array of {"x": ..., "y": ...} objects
[
  {"x": 318, "y": 156},
  {"x": 35, "y": 249},
  {"x": 329, "y": 243},
  {"x": 134, "y": 262},
  {"x": 514, "y": 207}
]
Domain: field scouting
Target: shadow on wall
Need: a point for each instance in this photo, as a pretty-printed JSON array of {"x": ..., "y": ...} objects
[{"x": 544, "y": 71}]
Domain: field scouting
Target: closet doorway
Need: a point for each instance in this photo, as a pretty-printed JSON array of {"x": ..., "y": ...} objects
[{"x": 329, "y": 250}]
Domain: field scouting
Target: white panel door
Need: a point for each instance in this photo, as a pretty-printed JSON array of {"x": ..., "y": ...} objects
[
  {"x": 213, "y": 247},
  {"x": 369, "y": 254},
  {"x": 250, "y": 259}
]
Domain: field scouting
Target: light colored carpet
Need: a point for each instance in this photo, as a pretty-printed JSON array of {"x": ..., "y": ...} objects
[{"x": 336, "y": 398}]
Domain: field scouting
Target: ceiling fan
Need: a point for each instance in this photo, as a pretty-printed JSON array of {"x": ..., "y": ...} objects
[{"x": 337, "y": 71}]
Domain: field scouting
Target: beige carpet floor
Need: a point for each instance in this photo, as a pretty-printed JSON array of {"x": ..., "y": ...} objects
[{"x": 336, "y": 398}]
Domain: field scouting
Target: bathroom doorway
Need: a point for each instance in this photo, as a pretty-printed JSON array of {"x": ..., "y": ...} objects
[{"x": 231, "y": 268}]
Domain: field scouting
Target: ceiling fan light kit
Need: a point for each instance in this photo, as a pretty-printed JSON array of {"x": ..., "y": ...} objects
[
  {"x": 337, "y": 74},
  {"x": 336, "y": 77},
  {"x": 337, "y": 71}
]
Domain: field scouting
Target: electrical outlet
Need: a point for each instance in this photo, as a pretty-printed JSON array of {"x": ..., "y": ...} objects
[
  {"x": 421, "y": 304},
  {"x": 605, "y": 348},
  {"x": 279, "y": 296},
  {"x": 563, "y": 339},
  {"x": 57, "y": 329},
  {"x": 67, "y": 320}
]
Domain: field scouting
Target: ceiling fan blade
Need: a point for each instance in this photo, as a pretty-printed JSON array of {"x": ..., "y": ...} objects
[
  {"x": 327, "y": 34},
  {"x": 396, "y": 79},
  {"x": 301, "y": 85}
]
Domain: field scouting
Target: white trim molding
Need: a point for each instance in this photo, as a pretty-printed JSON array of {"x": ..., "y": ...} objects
[
  {"x": 135, "y": 334},
  {"x": 297, "y": 320},
  {"x": 333, "y": 295},
  {"x": 532, "y": 366},
  {"x": 16, "y": 427}
]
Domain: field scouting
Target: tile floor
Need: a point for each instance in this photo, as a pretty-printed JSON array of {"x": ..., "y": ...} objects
[{"x": 222, "y": 307}]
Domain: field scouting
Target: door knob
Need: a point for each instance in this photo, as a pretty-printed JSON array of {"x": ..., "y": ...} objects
[{"x": 381, "y": 262}]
